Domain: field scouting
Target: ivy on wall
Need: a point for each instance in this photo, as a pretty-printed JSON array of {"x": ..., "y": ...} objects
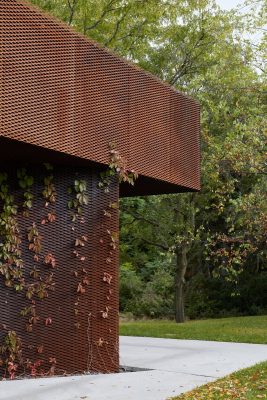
[{"x": 36, "y": 285}]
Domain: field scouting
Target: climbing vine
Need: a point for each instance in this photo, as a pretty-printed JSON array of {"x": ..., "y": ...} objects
[
  {"x": 11, "y": 263},
  {"x": 119, "y": 170},
  {"x": 79, "y": 199},
  {"x": 36, "y": 281},
  {"x": 36, "y": 286},
  {"x": 25, "y": 182},
  {"x": 10, "y": 354}
]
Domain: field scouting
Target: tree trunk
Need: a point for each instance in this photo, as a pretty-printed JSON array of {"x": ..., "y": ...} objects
[{"x": 181, "y": 266}]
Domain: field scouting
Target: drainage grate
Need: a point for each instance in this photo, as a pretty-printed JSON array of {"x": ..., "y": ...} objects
[{"x": 125, "y": 368}]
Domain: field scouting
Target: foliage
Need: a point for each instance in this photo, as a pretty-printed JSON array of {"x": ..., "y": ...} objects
[
  {"x": 247, "y": 384},
  {"x": 25, "y": 182},
  {"x": 79, "y": 198},
  {"x": 10, "y": 354},
  {"x": 206, "y": 53},
  {"x": 151, "y": 299},
  {"x": 238, "y": 329},
  {"x": 131, "y": 287},
  {"x": 11, "y": 264},
  {"x": 149, "y": 293},
  {"x": 215, "y": 297},
  {"x": 117, "y": 168},
  {"x": 34, "y": 281}
]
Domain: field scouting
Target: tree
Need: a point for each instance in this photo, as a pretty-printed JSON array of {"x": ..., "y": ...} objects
[
  {"x": 166, "y": 223},
  {"x": 204, "y": 52}
]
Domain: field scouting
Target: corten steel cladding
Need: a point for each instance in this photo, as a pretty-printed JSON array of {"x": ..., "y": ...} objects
[
  {"x": 63, "y": 92},
  {"x": 63, "y": 99},
  {"x": 77, "y": 336}
]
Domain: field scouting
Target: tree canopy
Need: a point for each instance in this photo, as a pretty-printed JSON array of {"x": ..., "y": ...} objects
[{"x": 217, "y": 57}]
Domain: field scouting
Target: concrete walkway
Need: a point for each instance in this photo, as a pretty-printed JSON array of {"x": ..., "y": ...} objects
[{"x": 178, "y": 366}]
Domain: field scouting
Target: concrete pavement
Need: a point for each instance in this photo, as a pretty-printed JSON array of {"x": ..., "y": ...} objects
[{"x": 177, "y": 366}]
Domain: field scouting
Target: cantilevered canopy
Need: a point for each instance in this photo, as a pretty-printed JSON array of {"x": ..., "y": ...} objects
[{"x": 65, "y": 98}]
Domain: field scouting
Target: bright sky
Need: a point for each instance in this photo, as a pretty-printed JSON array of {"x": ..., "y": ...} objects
[{"x": 228, "y": 4}]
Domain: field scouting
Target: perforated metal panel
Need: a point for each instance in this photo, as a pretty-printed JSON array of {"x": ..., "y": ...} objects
[{"x": 63, "y": 92}]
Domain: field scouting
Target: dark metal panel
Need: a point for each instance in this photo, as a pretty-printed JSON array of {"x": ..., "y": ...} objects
[{"x": 76, "y": 348}]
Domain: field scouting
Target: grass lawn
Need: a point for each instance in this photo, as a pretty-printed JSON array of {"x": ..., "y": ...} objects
[
  {"x": 247, "y": 384},
  {"x": 238, "y": 329}
]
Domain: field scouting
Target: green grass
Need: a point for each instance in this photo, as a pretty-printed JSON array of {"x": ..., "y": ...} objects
[
  {"x": 239, "y": 329},
  {"x": 247, "y": 384}
]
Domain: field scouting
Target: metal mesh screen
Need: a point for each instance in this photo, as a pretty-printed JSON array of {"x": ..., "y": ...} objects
[
  {"x": 63, "y": 92},
  {"x": 63, "y": 98},
  {"x": 78, "y": 337}
]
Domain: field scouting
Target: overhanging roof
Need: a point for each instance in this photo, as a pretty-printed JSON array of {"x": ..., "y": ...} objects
[{"x": 66, "y": 97}]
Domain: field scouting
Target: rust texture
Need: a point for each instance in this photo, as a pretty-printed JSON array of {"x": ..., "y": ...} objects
[
  {"x": 78, "y": 337},
  {"x": 63, "y": 99},
  {"x": 63, "y": 92}
]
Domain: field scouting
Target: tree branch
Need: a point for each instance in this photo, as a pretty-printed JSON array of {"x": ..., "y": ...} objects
[
  {"x": 107, "y": 10},
  {"x": 188, "y": 60},
  {"x": 72, "y": 10},
  {"x": 138, "y": 217},
  {"x": 160, "y": 245},
  {"x": 117, "y": 26}
]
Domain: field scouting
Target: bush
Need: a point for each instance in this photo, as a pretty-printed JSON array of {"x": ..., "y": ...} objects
[
  {"x": 151, "y": 299},
  {"x": 152, "y": 295},
  {"x": 131, "y": 287},
  {"x": 213, "y": 298}
]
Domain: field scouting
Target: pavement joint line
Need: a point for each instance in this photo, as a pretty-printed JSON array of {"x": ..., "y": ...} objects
[
  {"x": 157, "y": 383},
  {"x": 185, "y": 373}
]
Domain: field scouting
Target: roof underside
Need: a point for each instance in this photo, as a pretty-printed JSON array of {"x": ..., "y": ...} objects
[{"x": 65, "y": 98}]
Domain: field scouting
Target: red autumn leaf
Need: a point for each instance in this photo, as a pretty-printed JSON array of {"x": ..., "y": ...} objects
[
  {"x": 50, "y": 259},
  {"x": 40, "y": 349},
  {"x": 107, "y": 277},
  {"x": 51, "y": 217},
  {"x": 48, "y": 321},
  {"x": 100, "y": 342},
  {"x": 86, "y": 281},
  {"x": 105, "y": 313},
  {"x": 33, "y": 320},
  {"x": 28, "y": 327},
  {"x": 80, "y": 288},
  {"x": 79, "y": 242}
]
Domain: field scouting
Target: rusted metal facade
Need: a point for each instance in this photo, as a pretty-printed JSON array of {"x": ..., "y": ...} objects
[
  {"x": 77, "y": 328},
  {"x": 63, "y": 99}
]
